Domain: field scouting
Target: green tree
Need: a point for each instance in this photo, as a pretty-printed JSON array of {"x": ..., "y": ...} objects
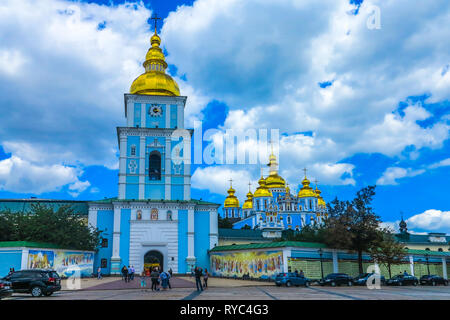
[
  {"x": 62, "y": 227},
  {"x": 353, "y": 225},
  {"x": 388, "y": 250},
  {"x": 309, "y": 233},
  {"x": 224, "y": 223}
]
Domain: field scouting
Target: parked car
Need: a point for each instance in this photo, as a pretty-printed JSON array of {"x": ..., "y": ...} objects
[
  {"x": 291, "y": 279},
  {"x": 433, "y": 280},
  {"x": 38, "y": 282},
  {"x": 361, "y": 280},
  {"x": 403, "y": 280},
  {"x": 336, "y": 279},
  {"x": 5, "y": 289}
]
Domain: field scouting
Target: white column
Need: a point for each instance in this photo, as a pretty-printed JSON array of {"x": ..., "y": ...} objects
[
  {"x": 24, "y": 261},
  {"x": 122, "y": 166},
  {"x": 130, "y": 114},
  {"x": 191, "y": 233},
  {"x": 411, "y": 264},
  {"x": 142, "y": 167},
  {"x": 444, "y": 268},
  {"x": 168, "y": 188},
  {"x": 116, "y": 234},
  {"x": 286, "y": 254},
  {"x": 92, "y": 218},
  {"x": 167, "y": 115},
  {"x": 180, "y": 116},
  {"x": 187, "y": 171},
  {"x": 335, "y": 262},
  {"x": 143, "y": 114},
  {"x": 213, "y": 229}
]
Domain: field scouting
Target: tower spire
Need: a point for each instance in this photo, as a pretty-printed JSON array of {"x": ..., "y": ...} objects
[{"x": 156, "y": 18}]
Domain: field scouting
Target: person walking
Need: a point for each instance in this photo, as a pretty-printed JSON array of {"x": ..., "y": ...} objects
[
  {"x": 302, "y": 275},
  {"x": 132, "y": 273},
  {"x": 99, "y": 273},
  {"x": 205, "y": 278},
  {"x": 125, "y": 273},
  {"x": 155, "y": 277},
  {"x": 198, "y": 275},
  {"x": 170, "y": 272},
  {"x": 169, "y": 277},
  {"x": 164, "y": 276},
  {"x": 143, "y": 280}
]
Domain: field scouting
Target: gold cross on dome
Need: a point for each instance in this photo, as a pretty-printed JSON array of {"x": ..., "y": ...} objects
[
  {"x": 304, "y": 169},
  {"x": 316, "y": 182},
  {"x": 249, "y": 185},
  {"x": 156, "y": 18},
  {"x": 231, "y": 182}
]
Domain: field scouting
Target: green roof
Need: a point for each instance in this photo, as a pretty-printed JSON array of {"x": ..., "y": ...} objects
[
  {"x": 269, "y": 245},
  {"x": 431, "y": 253},
  {"x": 29, "y": 244},
  {"x": 420, "y": 239},
  {"x": 198, "y": 202},
  {"x": 241, "y": 234}
]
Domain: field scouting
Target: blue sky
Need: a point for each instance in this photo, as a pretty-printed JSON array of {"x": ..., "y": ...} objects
[{"x": 356, "y": 105}]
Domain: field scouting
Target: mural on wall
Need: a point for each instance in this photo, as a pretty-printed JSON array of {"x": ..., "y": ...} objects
[
  {"x": 66, "y": 261},
  {"x": 40, "y": 259},
  {"x": 256, "y": 264}
]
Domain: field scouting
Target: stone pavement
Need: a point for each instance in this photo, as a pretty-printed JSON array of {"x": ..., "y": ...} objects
[
  {"x": 116, "y": 283},
  {"x": 226, "y": 283}
]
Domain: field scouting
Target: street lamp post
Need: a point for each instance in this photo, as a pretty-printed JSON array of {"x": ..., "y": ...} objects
[
  {"x": 321, "y": 263},
  {"x": 428, "y": 266}
]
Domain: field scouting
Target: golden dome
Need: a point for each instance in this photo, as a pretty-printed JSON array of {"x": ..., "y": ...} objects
[
  {"x": 320, "y": 201},
  {"x": 306, "y": 190},
  {"x": 262, "y": 190},
  {"x": 274, "y": 180},
  {"x": 154, "y": 81},
  {"x": 231, "y": 201}
]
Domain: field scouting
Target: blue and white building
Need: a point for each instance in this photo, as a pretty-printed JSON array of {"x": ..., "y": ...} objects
[{"x": 154, "y": 220}]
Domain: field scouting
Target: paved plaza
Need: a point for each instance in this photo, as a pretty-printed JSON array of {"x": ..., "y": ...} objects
[{"x": 226, "y": 289}]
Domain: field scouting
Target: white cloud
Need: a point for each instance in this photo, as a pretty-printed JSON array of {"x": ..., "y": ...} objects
[
  {"x": 392, "y": 174},
  {"x": 21, "y": 176},
  {"x": 269, "y": 73},
  {"x": 432, "y": 220},
  {"x": 442, "y": 163},
  {"x": 62, "y": 78}
]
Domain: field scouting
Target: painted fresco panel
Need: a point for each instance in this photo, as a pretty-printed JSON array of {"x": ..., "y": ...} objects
[{"x": 257, "y": 264}]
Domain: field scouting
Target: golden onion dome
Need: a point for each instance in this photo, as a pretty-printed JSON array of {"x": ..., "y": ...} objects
[
  {"x": 231, "y": 201},
  {"x": 155, "y": 81},
  {"x": 275, "y": 181},
  {"x": 320, "y": 201},
  {"x": 306, "y": 191},
  {"x": 248, "y": 204},
  {"x": 262, "y": 190}
]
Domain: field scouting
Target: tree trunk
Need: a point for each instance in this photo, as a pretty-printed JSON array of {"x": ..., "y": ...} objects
[
  {"x": 389, "y": 268},
  {"x": 360, "y": 264}
]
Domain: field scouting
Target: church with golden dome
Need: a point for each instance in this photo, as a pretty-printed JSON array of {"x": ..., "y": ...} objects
[
  {"x": 154, "y": 222},
  {"x": 273, "y": 207}
]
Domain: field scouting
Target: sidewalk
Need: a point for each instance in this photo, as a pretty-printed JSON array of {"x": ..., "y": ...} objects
[
  {"x": 116, "y": 283},
  {"x": 228, "y": 283}
]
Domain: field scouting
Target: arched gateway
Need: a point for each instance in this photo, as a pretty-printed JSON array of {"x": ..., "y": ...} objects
[{"x": 153, "y": 259}]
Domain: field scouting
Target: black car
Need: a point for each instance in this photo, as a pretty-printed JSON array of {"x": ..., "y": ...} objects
[
  {"x": 433, "y": 280},
  {"x": 38, "y": 282},
  {"x": 336, "y": 279},
  {"x": 5, "y": 289},
  {"x": 361, "y": 280},
  {"x": 403, "y": 280}
]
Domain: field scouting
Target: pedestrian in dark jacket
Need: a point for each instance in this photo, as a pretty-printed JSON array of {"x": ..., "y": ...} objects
[
  {"x": 198, "y": 278},
  {"x": 205, "y": 278},
  {"x": 155, "y": 279},
  {"x": 125, "y": 273}
]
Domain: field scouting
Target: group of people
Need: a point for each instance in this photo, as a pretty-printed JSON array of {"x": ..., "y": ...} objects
[
  {"x": 157, "y": 278},
  {"x": 199, "y": 274},
  {"x": 127, "y": 273}
]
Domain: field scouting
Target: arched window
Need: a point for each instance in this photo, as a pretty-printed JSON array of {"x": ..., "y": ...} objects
[
  {"x": 139, "y": 215},
  {"x": 440, "y": 250},
  {"x": 154, "y": 168},
  {"x": 169, "y": 215},
  {"x": 427, "y": 249}
]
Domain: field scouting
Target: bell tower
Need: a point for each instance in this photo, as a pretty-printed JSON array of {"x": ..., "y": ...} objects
[{"x": 152, "y": 144}]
